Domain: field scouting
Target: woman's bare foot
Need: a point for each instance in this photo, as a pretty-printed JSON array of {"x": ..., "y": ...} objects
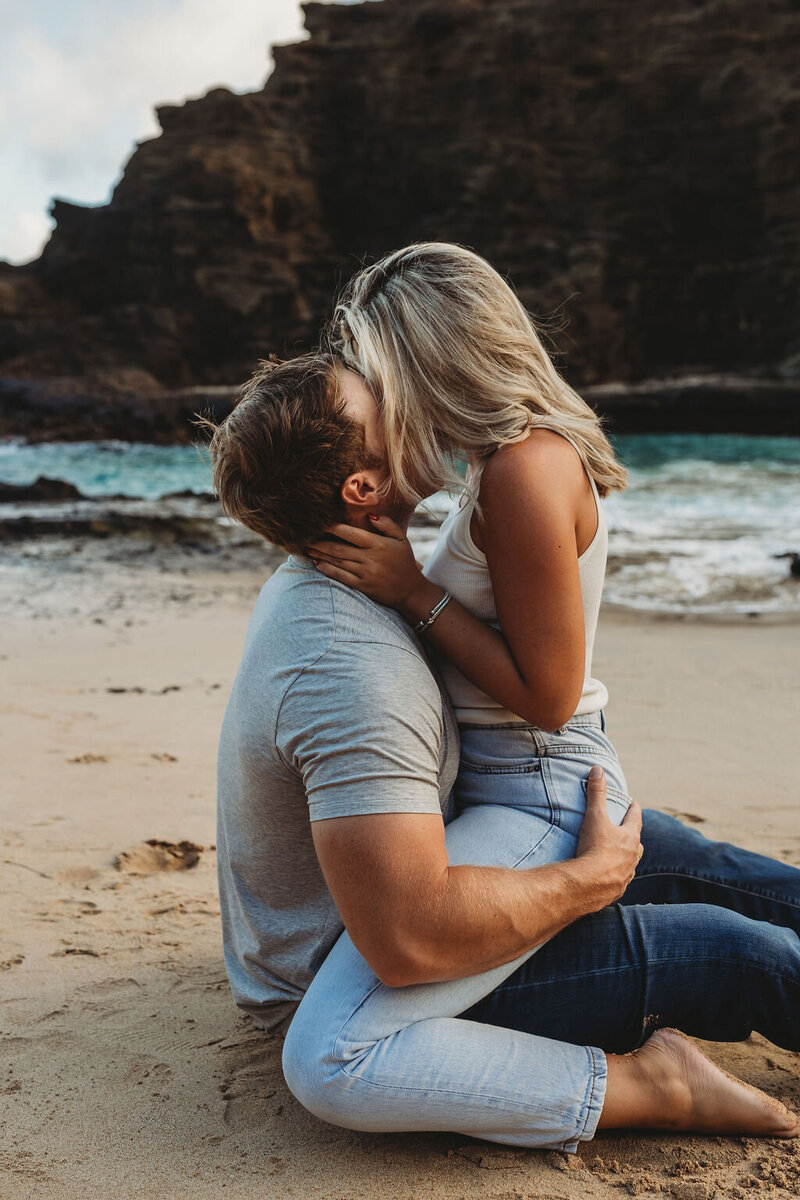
[{"x": 669, "y": 1084}]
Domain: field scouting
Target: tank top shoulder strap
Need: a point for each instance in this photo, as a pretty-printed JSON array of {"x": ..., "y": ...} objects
[
  {"x": 575, "y": 447},
  {"x": 595, "y": 543}
]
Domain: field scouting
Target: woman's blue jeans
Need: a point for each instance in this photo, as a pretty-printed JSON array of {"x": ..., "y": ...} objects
[{"x": 706, "y": 941}]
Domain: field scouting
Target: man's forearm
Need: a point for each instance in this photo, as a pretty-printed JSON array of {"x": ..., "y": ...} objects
[
  {"x": 481, "y": 917},
  {"x": 417, "y": 919}
]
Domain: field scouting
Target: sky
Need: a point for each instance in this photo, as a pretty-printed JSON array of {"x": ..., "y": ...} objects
[{"x": 79, "y": 80}]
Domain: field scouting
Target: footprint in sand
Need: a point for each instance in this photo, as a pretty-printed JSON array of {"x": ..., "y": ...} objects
[
  {"x": 88, "y": 758},
  {"x": 687, "y": 817},
  {"x": 164, "y": 757},
  {"x": 153, "y": 855},
  {"x": 140, "y": 691},
  {"x": 70, "y": 909}
]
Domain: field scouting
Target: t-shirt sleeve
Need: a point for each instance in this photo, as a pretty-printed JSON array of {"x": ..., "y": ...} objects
[{"x": 363, "y": 727}]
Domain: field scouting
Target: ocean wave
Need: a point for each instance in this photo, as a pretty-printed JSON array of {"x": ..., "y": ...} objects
[{"x": 696, "y": 531}]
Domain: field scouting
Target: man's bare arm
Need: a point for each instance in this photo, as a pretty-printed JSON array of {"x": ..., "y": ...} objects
[{"x": 416, "y": 919}]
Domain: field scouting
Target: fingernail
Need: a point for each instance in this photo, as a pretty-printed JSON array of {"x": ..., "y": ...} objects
[
  {"x": 374, "y": 517},
  {"x": 596, "y": 773},
  {"x": 315, "y": 561}
]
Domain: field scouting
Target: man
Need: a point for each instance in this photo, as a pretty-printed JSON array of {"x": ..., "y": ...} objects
[{"x": 337, "y": 758}]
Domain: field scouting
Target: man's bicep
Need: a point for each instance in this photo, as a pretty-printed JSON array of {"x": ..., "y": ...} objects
[
  {"x": 365, "y": 735},
  {"x": 379, "y": 869}
]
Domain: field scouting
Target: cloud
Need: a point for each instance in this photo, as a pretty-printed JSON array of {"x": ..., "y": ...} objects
[
  {"x": 26, "y": 229},
  {"x": 79, "y": 83}
]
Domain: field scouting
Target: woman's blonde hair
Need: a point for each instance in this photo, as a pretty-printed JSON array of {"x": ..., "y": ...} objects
[{"x": 456, "y": 367}]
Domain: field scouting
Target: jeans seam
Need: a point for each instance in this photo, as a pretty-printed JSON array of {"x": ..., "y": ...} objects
[
  {"x": 589, "y": 1097},
  {"x": 349, "y": 1018},
  {"x": 479, "y": 769},
  {"x": 572, "y": 750},
  {"x": 519, "y": 1105},
  {"x": 535, "y": 846},
  {"x": 705, "y": 878},
  {"x": 550, "y": 792},
  {"x": 683, "y": 958},
  {"x": 637, "y": 960},
  {"x": 617, "y": 794}
]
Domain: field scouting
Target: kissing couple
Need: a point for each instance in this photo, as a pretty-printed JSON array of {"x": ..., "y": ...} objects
[{"x": 431, "y": 872}]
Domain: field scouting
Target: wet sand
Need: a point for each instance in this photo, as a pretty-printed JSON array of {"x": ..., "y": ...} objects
[{"x": 127, "y": 1070}]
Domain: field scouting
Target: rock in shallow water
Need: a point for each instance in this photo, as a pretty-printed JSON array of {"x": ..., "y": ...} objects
[{"x": 41, "y": 489}]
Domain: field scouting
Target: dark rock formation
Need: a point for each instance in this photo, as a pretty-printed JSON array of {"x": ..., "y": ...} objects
[
  {"x": 47, "y": 491},
  {"x": 85, "y": 409},
  {"x": 634, "y": 163},
  {"x": 700, "y": 404},
  {"x": 794, "y": 563},
  {"x": 106, "y": 525},
  {"x": 41, "y": 490}
]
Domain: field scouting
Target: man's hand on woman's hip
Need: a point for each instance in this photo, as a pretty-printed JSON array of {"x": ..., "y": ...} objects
[{"x": 610, "y": 852}]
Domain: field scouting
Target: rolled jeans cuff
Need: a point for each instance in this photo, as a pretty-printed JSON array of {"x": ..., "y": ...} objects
[{"x": 593, "y": 1101}]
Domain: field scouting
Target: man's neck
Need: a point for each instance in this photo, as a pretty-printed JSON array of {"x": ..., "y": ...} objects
[{"x": 401, "y": 517}]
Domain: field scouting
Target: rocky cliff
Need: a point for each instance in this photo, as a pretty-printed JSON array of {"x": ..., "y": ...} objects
[{"x": 631, "y": 167}]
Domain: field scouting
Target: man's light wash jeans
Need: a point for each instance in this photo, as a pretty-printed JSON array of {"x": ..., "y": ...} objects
[{"x": 516, "y": 1054}]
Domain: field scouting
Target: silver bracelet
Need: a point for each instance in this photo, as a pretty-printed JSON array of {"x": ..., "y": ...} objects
[{"x": 434, "y": 613}]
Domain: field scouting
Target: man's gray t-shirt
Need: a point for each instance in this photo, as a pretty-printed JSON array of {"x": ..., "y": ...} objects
[{"x": 334, "y": 712}]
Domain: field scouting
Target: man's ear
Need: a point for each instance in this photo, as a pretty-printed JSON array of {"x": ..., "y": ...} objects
[{"x": 360, "y": 490}]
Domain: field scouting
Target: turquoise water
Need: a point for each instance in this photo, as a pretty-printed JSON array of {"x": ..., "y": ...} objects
[
  {"x": 697, "y": 529},
  {"x": 648, "y": 451},
  {"x": 105, "y": 468},
  {"x": 138, "y": 469},
  {"x": 701, "y": 522}
]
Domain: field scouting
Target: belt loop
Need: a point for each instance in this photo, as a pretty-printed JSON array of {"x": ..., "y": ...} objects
[{"x": 539, "y": 741}]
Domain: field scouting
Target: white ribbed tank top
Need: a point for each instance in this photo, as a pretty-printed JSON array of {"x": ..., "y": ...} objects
[{"x": 460, "y": 568}]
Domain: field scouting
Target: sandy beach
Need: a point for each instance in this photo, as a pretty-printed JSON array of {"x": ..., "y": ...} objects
[{"x": 127, "y": 1071}]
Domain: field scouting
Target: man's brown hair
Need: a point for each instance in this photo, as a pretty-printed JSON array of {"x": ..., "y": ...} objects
[{"x": 282, "y": 455}]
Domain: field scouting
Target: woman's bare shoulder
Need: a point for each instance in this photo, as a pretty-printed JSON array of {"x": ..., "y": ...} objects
[{"x": 544, "y": 459}]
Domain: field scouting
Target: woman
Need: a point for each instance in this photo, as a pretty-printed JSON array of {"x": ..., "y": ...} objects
[
  {"x": 456, "y": 369},
  {"x": 510, "y": 598}
]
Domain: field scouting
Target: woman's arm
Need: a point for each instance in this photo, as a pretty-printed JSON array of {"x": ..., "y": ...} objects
[{"x": 530, "y": 498}]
